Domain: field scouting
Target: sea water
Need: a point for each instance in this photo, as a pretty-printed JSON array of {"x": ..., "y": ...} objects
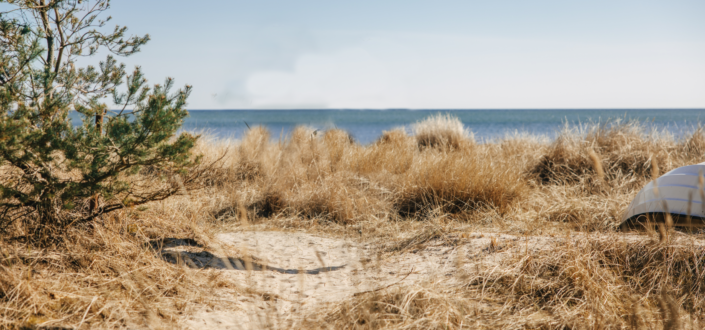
[{"x": 367, "y": 125}]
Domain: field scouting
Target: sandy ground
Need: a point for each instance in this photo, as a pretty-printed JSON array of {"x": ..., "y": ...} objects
[
  {"x": 292, "y": 274},
  {"x": 295, "y": 273}
]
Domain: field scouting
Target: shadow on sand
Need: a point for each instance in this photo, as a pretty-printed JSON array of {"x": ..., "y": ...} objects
[{"x": 205, "y": 259}]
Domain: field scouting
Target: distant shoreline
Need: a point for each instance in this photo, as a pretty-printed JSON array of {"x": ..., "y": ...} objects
[{"x": 458, "y": 109}]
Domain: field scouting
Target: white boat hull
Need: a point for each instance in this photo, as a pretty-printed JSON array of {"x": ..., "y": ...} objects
[{"x": 676, "y": 192}]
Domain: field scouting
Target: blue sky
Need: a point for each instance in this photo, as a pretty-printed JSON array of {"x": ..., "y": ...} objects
[{"x": 424, "y": 54}]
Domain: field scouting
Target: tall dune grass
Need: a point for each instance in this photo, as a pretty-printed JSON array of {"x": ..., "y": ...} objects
[
  {"x": 626, "y": 149},
  {"x": 109, "y": 274},
  {"x": 330, "y": 176}
]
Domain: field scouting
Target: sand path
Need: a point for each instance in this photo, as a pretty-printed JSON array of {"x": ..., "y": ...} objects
[
  {"x": 293, "y": 274},
  {"x": 331, "y": 271}
]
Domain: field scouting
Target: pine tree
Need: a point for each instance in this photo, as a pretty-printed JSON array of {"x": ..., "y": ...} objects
[{"x": 53, "y": 174}]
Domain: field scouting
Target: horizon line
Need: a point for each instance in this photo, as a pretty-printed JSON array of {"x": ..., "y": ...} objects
[{"x": 433, "y": 109}]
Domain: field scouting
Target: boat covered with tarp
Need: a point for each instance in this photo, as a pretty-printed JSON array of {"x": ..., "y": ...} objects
[{"x": 678, "y": 193}]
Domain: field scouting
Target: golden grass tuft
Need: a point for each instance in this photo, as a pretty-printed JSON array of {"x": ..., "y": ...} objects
[
  {"x": 101, "y": 276},
  {"x": 443, "y": 132},
  {"x": 625, "y": 149},
  {"x": 251, "y": 153},
  {"x": 458, "y": 181}
]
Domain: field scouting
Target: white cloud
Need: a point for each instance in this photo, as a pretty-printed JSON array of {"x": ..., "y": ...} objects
[{"x": 422, "y": 71}]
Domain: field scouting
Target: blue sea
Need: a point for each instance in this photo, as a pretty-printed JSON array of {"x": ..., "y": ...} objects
[{"x": 487, "y": 125}]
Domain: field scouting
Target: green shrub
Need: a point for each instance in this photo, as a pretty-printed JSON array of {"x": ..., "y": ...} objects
[{"x": 54, "y": 174}]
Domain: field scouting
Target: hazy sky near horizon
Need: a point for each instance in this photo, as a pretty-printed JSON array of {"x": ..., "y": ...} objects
[{"x": 424, "y": 54}]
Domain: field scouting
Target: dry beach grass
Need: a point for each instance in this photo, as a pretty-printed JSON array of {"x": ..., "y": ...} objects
[{"x": 523, "y": 229}]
